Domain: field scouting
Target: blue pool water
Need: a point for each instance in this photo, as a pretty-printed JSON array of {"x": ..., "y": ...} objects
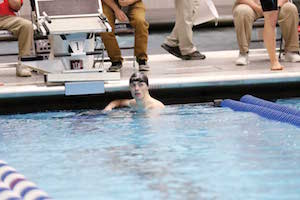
[{"x": 185, "y": 152}]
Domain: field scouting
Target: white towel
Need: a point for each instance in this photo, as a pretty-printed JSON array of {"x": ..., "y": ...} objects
[{"x": 204, "y": 11}]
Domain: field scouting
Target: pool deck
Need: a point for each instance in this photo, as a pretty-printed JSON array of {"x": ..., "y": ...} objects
[{"x": 168, "y": 73}]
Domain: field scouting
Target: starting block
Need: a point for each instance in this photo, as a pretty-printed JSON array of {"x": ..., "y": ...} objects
[{"x": 71, "y": 26}]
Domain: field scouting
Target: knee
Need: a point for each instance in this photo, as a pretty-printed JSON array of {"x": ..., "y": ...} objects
[
  {"x": 140, "y": 23},
  {"x": 242, "y": 12},
  {"x": 107, "y": 35},
  {"x": 289, "y": 8},
  {"x": 26, "y": 26}
]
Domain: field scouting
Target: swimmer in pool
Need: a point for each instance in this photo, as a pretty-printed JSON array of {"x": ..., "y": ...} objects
[
  {"x": 270, "y": 10},
  {"x": 139, "y": 88}
]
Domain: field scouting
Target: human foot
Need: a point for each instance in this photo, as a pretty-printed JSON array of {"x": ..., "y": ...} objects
[{"x": 276, "y": 66}]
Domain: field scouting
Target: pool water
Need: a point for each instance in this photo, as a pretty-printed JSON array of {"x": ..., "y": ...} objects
[{"x": 191, "y": 151}]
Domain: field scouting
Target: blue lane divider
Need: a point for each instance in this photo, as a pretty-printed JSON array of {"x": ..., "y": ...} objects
[
  {"x": 19, "y": 185},
  {"x": 262, "y": 111},
  {"x": 267, "y": 104}
]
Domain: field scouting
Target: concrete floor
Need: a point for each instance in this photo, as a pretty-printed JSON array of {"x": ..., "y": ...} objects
[{"x": 168, "y": 71}]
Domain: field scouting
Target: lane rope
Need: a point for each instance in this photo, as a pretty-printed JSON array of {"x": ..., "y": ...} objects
[
  {"x": 19, "y": 185},
  {"x": 262, "y": 111}
]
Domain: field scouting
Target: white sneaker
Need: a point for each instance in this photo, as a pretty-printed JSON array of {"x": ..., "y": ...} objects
[
  {"x": 22, "y": 71},
  {"x": 242, "y": 59},
  {"x": 292, "y": 57}
]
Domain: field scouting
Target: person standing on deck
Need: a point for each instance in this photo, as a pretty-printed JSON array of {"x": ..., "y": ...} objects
[
  {"x": 180, "y": 41},
  {"x": 21, "y": 28}
]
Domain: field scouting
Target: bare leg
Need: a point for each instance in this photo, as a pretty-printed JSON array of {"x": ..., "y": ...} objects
[{"x": 270, "y": 38}]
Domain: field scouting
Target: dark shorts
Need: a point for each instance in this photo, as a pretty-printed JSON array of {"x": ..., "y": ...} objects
[{"x": 269, "y": 5}]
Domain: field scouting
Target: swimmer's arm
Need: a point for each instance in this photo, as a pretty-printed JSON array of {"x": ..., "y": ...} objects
[
  {"x": 15, "y": 4},
  {"x": 118, "y": 103}
]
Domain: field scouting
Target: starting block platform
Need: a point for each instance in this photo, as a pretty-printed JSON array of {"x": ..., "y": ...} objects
[{"x": 54, "y": 72}]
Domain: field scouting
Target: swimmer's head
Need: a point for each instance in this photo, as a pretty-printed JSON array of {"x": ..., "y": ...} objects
[{"x": 138, "y": 77}]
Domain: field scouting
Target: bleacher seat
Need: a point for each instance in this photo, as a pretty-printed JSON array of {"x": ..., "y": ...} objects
[{"x": 7, "y": 36}]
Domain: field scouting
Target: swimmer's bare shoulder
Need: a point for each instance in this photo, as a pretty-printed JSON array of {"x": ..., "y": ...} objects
[{"x": 156, "y": 104}]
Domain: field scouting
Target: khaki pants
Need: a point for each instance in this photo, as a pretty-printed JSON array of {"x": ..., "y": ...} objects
[
  {"x": 22, "y": 29},
  {"x": 136, "y": 15},
  {"x": 182, "y": 33},
  {"x": 244, "y": 17}
]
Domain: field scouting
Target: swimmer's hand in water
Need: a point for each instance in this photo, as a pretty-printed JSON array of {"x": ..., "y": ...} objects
[
  {"x": 107, "y": 109},
  {"x": 92, "y": 113}
]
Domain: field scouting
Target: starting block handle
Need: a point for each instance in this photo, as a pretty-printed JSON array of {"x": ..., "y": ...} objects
[
  {"x": 103, "y": 18},
  {"x": 47, "y": 17},
  {"x": 31, "y": 58},
  {"x": 45, "y": 28},
  {"x": 74, "y": 54}
]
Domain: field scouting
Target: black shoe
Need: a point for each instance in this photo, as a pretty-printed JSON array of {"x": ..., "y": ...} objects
[
  {"x": 196, "y": 55},
  {"x": 115, "y": 66},
  {"x": 143, "y": 66},
  {"x": 172, "y": 50}
]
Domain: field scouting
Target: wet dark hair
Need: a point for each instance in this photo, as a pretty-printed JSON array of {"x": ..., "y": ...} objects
[{"x": 140, "y": 77}]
